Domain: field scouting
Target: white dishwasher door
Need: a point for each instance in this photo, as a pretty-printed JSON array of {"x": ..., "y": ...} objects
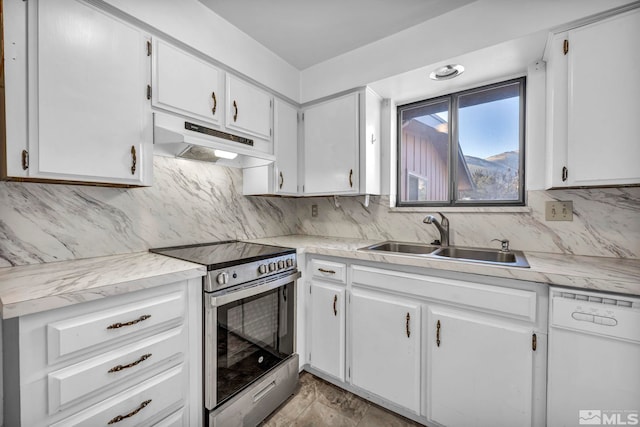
[{"x": 594, "y": 359}]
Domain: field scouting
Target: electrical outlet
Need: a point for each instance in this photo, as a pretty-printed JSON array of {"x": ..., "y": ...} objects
[
  {"x": 314, "y": 210},
  {"x": 558, "y": 211}
]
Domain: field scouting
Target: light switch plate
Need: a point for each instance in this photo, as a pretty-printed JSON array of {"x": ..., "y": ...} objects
[
  {"x": 314, "y": 210},
  {"x": 558, "y": 211}
]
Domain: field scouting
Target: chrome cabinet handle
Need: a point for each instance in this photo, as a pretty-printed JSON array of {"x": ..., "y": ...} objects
[
  {"x": 119, "y": 368},
  {"x": 438, "y": 333},
  {"x": 322, "y": 270},
  {"x": 335, "y": 302},
  {"x": 407, "y": 325},
  {"x": 130, "y": 414},
  {"x": 134, "y": 160},
  {"x": 215, "y": 103},
  {"x": 281, "y": 179},
  {"x": 132, "y": 322},
  {"x": 351, "y": 178},
  {"x": 235, "y": 107}
]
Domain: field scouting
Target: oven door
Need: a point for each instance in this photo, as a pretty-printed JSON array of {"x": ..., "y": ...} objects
[{"x": 247, "y": 332}]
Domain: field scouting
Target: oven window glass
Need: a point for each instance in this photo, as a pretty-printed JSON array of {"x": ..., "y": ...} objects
[{"x": 254, "y": 335}]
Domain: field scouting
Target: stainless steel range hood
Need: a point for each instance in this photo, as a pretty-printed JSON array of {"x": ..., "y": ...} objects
[{"x": 178, "y": 137}]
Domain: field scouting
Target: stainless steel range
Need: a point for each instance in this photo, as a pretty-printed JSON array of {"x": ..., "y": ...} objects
[{"x": 249, "y": 306}]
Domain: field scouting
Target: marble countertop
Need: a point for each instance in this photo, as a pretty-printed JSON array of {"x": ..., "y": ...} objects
[
  {"x": 39, "y": 287},
  {"x": 615, "y": 275}
]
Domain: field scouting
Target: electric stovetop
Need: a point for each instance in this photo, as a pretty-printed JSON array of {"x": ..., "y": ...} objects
[{"x": 217, "y": 255}]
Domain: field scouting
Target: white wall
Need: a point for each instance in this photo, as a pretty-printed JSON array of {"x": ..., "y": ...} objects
[
  {"x": 197, "y": 26},
  {"x": 476, "y": 26}
]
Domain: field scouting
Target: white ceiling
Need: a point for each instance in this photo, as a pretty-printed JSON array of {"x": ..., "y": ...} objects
[{"x": 307, "y": 32}]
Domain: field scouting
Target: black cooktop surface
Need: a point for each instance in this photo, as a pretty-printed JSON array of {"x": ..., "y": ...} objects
[{"x": 223, "y": 254}]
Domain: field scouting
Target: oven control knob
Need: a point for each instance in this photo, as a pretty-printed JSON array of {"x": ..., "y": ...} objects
[
  {"x": 272, "y": 266},
  {"x": 289, "y": 262},
  {"x": 280, "y": 265},
  {"x": 223, "y": 278},
  {"x": 262, "y": 268}
]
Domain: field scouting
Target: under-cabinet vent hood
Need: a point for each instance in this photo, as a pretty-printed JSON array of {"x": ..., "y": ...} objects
[{"x": 177, "y": 137}]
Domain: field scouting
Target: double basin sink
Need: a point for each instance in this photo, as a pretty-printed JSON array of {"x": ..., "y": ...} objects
[{"x": 485, "y": 256}]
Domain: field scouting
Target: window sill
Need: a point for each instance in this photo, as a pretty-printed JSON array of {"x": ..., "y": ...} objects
[{"x": 462, "y": 209}]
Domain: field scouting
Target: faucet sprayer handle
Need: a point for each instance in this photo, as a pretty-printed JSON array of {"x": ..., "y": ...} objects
[{"x": 504, "y": 243}]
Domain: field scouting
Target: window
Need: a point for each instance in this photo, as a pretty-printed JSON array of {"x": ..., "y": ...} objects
[{"x": 464, "y": 149}]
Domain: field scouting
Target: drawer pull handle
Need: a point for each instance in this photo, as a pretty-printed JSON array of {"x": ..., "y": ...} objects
[
  {"x": 407, "y": 325},
  {"x": 438, "y": 333},
  {"x": 322, "y": 270},
  {"x": 132, "y": 322},
  {"x": 130, "y": 365},
  {"x": 130, "y": 414},
  {"x": 335, "y": 302}
]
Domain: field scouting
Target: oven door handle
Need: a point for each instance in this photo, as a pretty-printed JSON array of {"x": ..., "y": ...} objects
[{"x": 217, "y": 301}]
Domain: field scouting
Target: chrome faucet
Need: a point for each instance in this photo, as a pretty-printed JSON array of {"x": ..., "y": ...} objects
[
  {"x": 442, "y": 226},
  {"x": 504, "y": 244}
]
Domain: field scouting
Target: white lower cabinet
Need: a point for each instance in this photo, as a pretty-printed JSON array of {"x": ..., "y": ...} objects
[
  {"x": 385, "y": 346},
  {"x": 131, "y": 359},
  {"x": 327, "y": 321},
  {"x": 479, "y": 370},
  {"x": 456, "y": 350}
]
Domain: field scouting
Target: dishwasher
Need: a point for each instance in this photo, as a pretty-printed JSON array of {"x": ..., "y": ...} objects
[{"x": 594, "y": 359}]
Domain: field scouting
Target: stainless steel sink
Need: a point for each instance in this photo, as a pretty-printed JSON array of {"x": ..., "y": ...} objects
[
  {"x": 486, "y": 256},
  {"x": 402, "y": 248},
  {"x": 489, "y": 256}
]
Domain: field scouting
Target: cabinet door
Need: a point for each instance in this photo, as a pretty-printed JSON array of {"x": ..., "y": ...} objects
[
  {"x": 248, "y": 108},
  {"x": 286, "y": 148},
  {"x": 327, "y": 326},
  {"x": 331, "y": 146},
  {"x": 592, "y": 115},
  {"x": 603, "y": 122},
  {"x": 479, "y": 370},
  {"x": 185, "y": 84},
  {"x": 90, "y": 116},
  {"x": 385, "y": 346}
]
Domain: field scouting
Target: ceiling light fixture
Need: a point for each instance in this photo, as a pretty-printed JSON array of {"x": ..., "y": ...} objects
[{"x": 447, "y": 72}]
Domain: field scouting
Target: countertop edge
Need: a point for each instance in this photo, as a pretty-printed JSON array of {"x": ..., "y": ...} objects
[{"x": 88, "y": 285}]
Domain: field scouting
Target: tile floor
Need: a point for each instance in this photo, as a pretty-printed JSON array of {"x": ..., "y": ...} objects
[{"x": 318, "y": 403}]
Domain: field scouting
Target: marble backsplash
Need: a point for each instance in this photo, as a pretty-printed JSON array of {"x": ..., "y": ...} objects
[
  {"x": 189, "y": 202},
  {"x": 606, "y": 222},
  {"x": 192, "y": 202}
]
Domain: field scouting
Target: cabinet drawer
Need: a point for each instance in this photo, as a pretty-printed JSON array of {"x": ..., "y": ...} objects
[
  {"x": 152, "y": 399},
  {"x": 68, "y": 385},
  {"x": 329, "y": 270},
  {"x": 83, "y": 332},
  {"x": 177, "y": 419},
  {"x": 510, "y": 302}
]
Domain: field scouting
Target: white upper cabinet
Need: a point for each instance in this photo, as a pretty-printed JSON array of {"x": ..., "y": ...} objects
[
  {"x": 331, "y": 147},
  {"x": 592, "y": 107},
  {"x": 281, "y": 177},
  {"x": 187, "y": 85},
  {"x": 285, "y": 140},
  {"x": 342, "y": 145},
  {"x": 89, "y": 115},
  {"x": 479, "y": 370},
  {"x": 248, "y": 108}
]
